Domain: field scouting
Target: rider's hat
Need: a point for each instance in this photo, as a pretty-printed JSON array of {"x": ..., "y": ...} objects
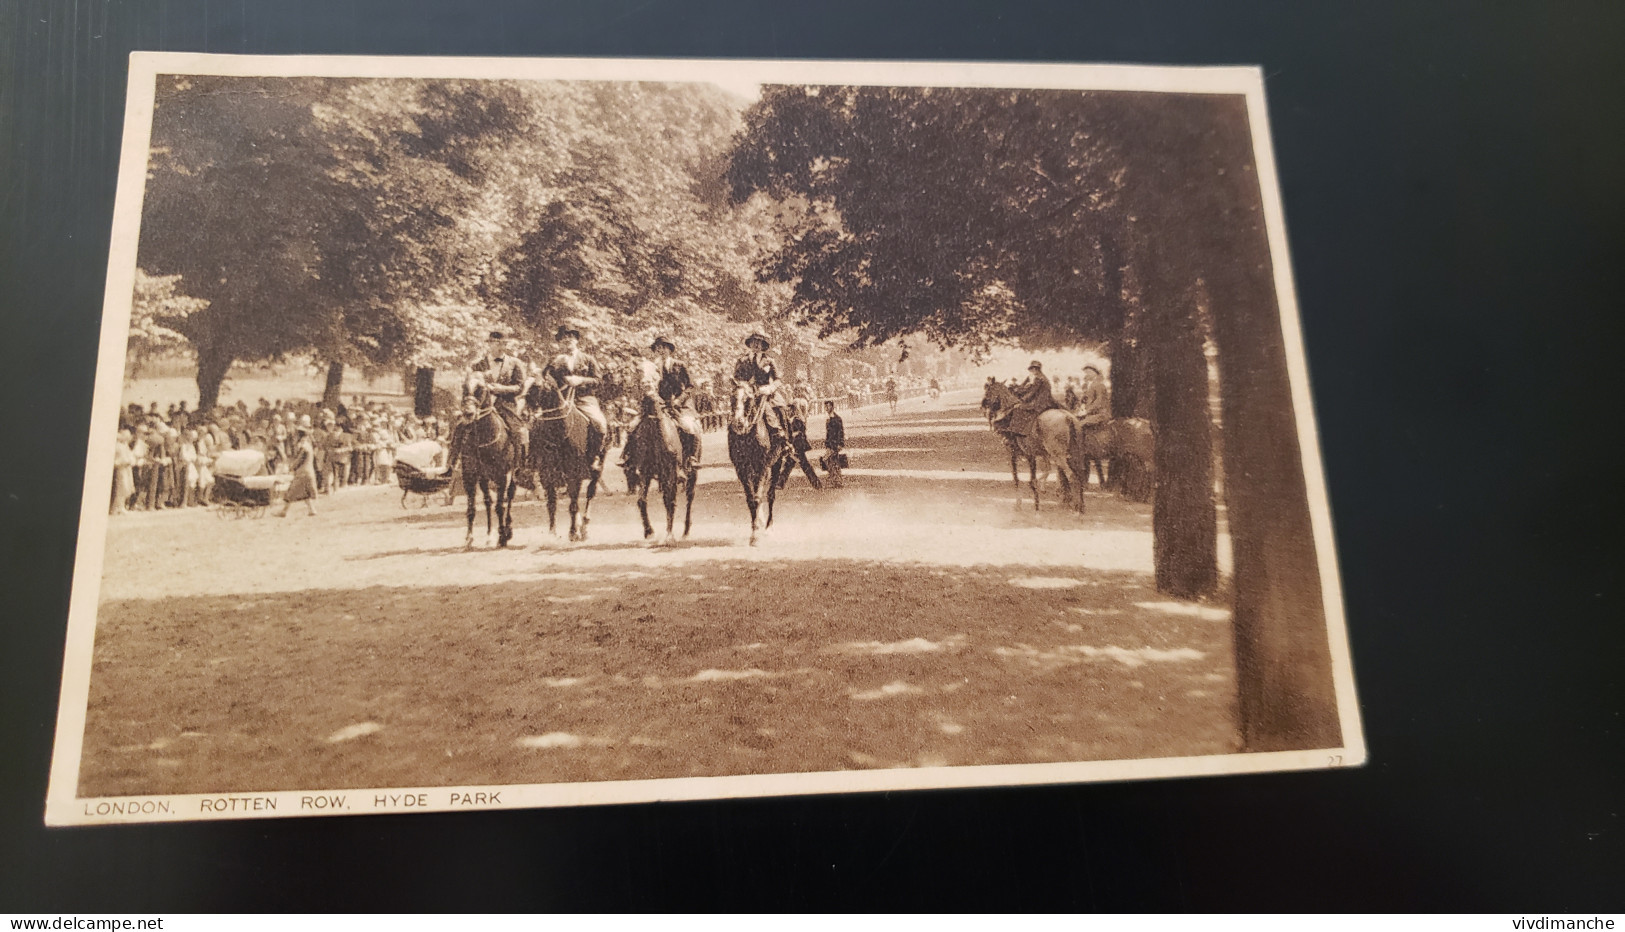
[
  {"x": 663, "y": 341},
  {"x": 1036, "y": 365},
  {"x": 565, "y": 330},
  {"x": 498, "y": 335},
  {"x": 758, "y": 336}
]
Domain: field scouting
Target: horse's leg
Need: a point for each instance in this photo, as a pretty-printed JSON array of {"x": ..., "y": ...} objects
[
  {"x": 1032, "y": 478},
  {"x": 505, "y": 533},
  {"x": 668, "y": 495},
  {"x": 573, "y": 487},
  {"x": 552, "y": 509},
  {"x": 690, "y": 478},
  {"x": 468, "y": 493},
  {"x": 485, "y": 492},
  {"x": 586, "y": 503},
  {"x": 773, "y": 476},
  {"x": 643, "y": 506},
  {"x": 504, "y": 489},
  {"x": 1063, "y": 468},
  {"x": 751, "y": 484}
]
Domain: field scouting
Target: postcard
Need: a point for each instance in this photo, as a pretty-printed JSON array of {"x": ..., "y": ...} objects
[{"x": 502, "y": 433}]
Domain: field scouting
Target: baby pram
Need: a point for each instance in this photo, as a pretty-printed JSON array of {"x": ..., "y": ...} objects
[
  {"x": 417, "y": 470},
  {"x": 243, "y": 485}
]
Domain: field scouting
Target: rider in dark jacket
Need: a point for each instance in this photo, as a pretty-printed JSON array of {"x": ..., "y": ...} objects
[
  {"x": 676, "y": 391},
  {"x": 1036, "y": 398},
  {"x": 757, "y": 373},
  {"x": 574, "y": 369},
  {"x": 503, "y": 376}
]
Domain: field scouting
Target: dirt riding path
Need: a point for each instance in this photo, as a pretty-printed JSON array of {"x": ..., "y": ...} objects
[{"x": 915, "y": 617}]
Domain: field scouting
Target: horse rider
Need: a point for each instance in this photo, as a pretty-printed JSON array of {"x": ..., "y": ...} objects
[
  {"x": 1094, "y": 400},
  {"x": 1036, "y": 398},
  {"x": 574, "y": 369},
  {"x": 756, "y": 373},
  {"x": 505, "y": 379},
  {"x": 676, "y": 391}
]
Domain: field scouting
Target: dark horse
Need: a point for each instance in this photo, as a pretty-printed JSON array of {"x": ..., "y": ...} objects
[
  {"x": 564, "y": 450},
  {"x": 1128, "y": 444},
  {"x": 657, "y": 453},
  {"x": 488, "y": 459},
  {"x": 761, "y": 462},
  {"x": 1050, "y": 440}
]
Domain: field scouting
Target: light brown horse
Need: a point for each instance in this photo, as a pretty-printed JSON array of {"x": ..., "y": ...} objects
[{"x": 1049, "y": 442}]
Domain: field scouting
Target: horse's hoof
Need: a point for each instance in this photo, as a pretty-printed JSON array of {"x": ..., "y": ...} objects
[{"x": 671, "y": 540}]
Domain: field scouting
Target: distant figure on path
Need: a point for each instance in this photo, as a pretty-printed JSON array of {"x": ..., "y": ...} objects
[{"x": 834, "y": 443}]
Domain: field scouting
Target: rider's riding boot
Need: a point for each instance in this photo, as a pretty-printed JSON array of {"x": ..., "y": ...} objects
[{"x": 691, "y": 455}]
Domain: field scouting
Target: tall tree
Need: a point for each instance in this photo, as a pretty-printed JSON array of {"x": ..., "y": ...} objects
[
  {"x": 313, "y": 215},
  {"x": 233, "y": 207},
  {"x": 977, "y": 216}
]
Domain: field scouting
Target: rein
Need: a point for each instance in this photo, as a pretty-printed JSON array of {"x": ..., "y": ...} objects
[
  {"x": 566, "y": 402},
  {"x": 490, "y": 411}
]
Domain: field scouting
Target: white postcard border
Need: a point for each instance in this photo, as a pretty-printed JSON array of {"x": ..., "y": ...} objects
[{"x": 65, "y": 808}]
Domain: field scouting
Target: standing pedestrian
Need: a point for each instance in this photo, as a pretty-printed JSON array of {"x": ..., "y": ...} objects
[
  {"x": 302, "y": 458},
  {"x": 123, "y": 473},
  {"x": 340, "y": 448},
  {"x": 834, "y": 443}
]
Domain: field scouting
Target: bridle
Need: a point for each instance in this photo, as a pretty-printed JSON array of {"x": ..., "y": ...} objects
[
  {"x": 490, "y": 411},
  {"x": 566, "y": 402}
]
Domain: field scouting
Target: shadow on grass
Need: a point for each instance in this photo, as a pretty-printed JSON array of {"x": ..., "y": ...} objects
[{"x": 633, "y": 672}]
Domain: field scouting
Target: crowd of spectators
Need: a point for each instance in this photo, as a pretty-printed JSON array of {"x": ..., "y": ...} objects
[{"x": 164, "y": 458}]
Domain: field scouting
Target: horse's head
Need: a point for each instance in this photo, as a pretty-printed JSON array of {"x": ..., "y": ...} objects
[
  {"x": 540, "y": 395},
  {"x": 740, "y": 412},
  {"x": 998, "y": 397}
]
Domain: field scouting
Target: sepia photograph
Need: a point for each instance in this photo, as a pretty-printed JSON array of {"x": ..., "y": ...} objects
[{"x": 479, "y": 433}]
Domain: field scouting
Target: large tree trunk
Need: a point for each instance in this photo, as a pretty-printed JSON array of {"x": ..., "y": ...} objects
[
  {"x": 1283, "y": 653},
  {"x": 1184, "y": 520},
  {"x": 423, "y": 392},
  {"x": 212, "y": 366},
  {"x": 332, "y": 394},
  {"x": 1128, "y": 377}
]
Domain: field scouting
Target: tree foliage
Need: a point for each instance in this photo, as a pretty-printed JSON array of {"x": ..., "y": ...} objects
[
  {"x": 374, "y": 222},
  {"x": 970, "y": 216},
  {"x": 155, "y": 307}
]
